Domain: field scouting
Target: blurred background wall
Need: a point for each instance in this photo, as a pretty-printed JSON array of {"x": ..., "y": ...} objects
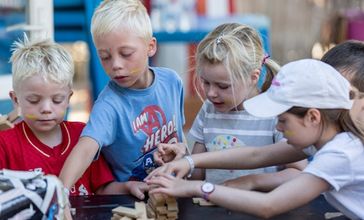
[{"x": 297, "y": 25}]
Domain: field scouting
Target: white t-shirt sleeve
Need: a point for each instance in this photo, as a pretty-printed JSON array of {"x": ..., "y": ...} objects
[{"x": 332, "y": 165}]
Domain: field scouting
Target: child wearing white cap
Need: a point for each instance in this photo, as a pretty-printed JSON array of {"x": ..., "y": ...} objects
[{"x": 312, "y": 101}]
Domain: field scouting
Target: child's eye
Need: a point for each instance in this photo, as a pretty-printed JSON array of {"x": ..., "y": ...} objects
[
  {"x": 224, "y": 87},
  {"x": 104, "y": 58},
  {"x": 205, "y": 82},
  {"x": 58, "y": 100},
  {"x": 126, "y": 54},
  {"x": 33, "y": 101}
]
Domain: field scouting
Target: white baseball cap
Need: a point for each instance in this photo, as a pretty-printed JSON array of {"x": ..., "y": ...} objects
[{"x": 304, "y": 83}]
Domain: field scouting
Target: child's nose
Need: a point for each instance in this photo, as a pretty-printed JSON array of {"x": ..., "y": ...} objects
[
  {"x": 46, "y": 107},
  {"x": 117, "y": 64},
  {"x": 211, "y": 92}
]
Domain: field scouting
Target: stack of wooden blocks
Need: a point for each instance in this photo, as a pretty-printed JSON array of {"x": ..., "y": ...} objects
[
  {"x": 159, "y": 207},
  {"x": 162, "y": 207}
]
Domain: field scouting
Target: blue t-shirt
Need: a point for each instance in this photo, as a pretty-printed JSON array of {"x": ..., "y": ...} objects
[{"x": 129, "y": 123}]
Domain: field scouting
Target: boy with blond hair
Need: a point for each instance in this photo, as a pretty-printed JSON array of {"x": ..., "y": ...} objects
[
  {"x": 42, "y": 74},
  {"x": 139, "y": 108}
]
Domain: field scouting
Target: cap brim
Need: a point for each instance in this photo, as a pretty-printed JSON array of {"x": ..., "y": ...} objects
[{"x": 263, "y": 106}]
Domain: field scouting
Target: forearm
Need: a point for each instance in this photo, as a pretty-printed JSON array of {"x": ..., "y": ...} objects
[
  {"x": 248, "y": 157},
  {"x": 243, "y": 201},
  {"x": 299, "y": 165},
  {"x": 261, "y": 204},
  {"x": 113, "y": 188},
  {"x": 269, "y": 181},
  {"x": 78, "y": 161},
  {"x": 198, "y": 174}
]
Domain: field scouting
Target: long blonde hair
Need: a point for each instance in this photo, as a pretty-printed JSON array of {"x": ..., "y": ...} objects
[{"x": 239, "y": 48}]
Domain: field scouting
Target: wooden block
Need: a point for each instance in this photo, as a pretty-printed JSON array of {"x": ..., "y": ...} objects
[
  {"x": 116, "y": 217},
  {"x": 150, "y": 211},
  {"x": 330, "y": 215},
  {"x": 3, "y": 118},
  {"x": 140, "y": 207},
  {"x": 125, "y": 211},
  {"x": 202, "y": 202},
  {"x": 14, "y": 115},
  {"x": 5, "y": 125},
  {"x": 172, "y": 206},
  {"x": 161, "y": 210},
  {"x": 171, "y": 199},
  {"x": 161, "y": 217},
  {"x": 172, "y": 214},
  {"x": 150, "y": 204},
  {"x": 157, "y": 199}
]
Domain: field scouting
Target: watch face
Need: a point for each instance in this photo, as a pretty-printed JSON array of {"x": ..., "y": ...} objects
[{"x": 208, "y": 187}]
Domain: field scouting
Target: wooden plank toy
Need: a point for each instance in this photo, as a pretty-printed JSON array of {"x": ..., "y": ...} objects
[
  {"x": 202, "y": 202},
  {"x": 126, "y": 213}
]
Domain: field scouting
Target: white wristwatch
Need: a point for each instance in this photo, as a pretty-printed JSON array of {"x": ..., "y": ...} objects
[{"x": 207, "y": 188}]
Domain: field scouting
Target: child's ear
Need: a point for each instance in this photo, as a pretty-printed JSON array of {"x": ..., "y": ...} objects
[
  {"x": 13, "y": 98},
  {"x": 152, "y": 47},
  {"x": 313, "y": 117},
  {"x": 70, "y": 95},
  {"x": 254, "y": 76}
]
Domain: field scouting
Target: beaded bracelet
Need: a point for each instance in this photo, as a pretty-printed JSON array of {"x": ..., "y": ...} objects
[{"x": 192, "y": 165}]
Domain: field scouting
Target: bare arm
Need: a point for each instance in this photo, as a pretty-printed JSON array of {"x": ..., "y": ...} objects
[
  {"x": 198, "y": 174},
  {"x": 235, "y": 158},
  {"x": 135, "y": 188},
  {"x": 263, "y": 182},
  {"x": 299, "y": 165},
  {"x": 284, "y": 198},
  {"x": 249, "y": 157},
  {"x": 78, "y": 161}
]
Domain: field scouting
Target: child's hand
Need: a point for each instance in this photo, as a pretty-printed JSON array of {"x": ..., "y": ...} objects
[
  {"x": 174, "y": 186},
  {"x": 168, "y": 152},
  {"x": 178, "y": 168},
  {"x": 137, "y": 188}
]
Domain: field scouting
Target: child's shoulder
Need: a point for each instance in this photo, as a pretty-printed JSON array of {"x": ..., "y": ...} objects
[
  {"x": 166, "y": 73},
  {"x": 345, "y": 143}
]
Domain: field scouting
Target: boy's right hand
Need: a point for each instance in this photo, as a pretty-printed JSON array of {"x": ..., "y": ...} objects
[
  {"x": 178, "y": 168},
  {"x": 137, "y": 188},
  {"x": 168, "y": 152}
]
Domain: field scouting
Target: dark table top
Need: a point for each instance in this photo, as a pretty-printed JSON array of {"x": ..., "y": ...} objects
[{"x": 99, "y": 207}]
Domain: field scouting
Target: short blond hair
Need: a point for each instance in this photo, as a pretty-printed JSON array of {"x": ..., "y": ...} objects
[
  {"x": 112, "y": 15},
  {"x": 44, "y": 58}
]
